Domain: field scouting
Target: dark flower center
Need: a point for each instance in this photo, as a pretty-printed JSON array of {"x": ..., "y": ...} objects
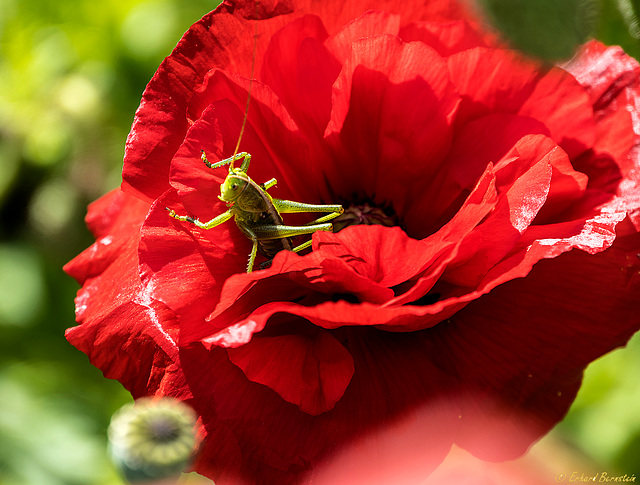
[
  {"x": 163, "y": 430},
  {"x": 366, "y": 213}
]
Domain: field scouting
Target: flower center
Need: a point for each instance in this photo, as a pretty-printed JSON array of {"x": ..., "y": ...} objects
[{"x": 366, "y": 213}]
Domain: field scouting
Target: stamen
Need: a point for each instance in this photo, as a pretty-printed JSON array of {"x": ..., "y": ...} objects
[{"x": 366, "y": 213}]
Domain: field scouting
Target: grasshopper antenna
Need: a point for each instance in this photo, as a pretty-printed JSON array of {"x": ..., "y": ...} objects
[{"x": 253, "y": 66}]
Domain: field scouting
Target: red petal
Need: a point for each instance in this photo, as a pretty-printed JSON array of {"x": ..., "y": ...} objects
[
  {"x": 336, "y": 14},
  {"x": 129, "y": 341},
  {"x": 611, "y": 78},
  {"x": 403, "y": 451},
  {"x": 563, "y": 106},
  {"x": 540, "y": 332},
  {"x": 476, "y": 144},
  {"x": 301, "y": 71},
  {"x": 394, "y": 380},
  {"x": 382, "y": 74},
  {"x": 307, "y": 367},
  {"x": 271, "y": 137},
  {"x": 112, "y": 219},
  {"x": 224, "y": 38},
  {"x": 604, "y": 72},
  {"x": 372, "y": 22},
  {"x": 516, "y": 209},
  {"x": 492, "y": 80},
  {"x": 446, "y": 38},
  {"x": 177, "y": 259},
  {"x": 125, "y": 333}
]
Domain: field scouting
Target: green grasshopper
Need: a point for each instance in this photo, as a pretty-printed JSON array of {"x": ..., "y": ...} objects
[{"x": 258, "y": 215}]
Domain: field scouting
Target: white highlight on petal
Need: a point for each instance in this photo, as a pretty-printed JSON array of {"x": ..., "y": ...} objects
[
  {"x": 591, "y": 237},
  {"x": 234, "y": 336},
  {"x": 106, "y": 241},
  {"x": 145, "y": 299},
  {"x": 81, "y": 302},
  {"x": 522, "y": 216}
]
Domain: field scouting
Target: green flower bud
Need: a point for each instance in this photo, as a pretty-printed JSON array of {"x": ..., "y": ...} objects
[{"x": 152, "y": 439}]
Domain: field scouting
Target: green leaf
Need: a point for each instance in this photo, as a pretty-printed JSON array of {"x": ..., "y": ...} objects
[{"x": 548, "y": 29}]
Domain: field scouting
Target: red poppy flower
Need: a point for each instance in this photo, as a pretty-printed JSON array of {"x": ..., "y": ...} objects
[{"x": 488, "y": 252}]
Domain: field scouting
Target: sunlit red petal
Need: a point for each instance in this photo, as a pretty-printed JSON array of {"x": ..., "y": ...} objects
[
  {"x": 492, "y": 80},
  {"x": 131, "y": 337},
  {"x": 301, "y": 71},
  {"x": 176, "y": 261},
  {"x": 476, "y": 144},
  {"x": 611, "y": 79},
  {"x": 112, "y": 219},
  {"x": 271, "y": 136},
  {"x": 502, "y": 229},
  {"x": 382, "y": 74},
  {"x": 446, "y": 38}
]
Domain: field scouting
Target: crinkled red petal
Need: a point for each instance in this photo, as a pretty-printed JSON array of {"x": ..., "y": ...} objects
[
  {"x": 112, "y": 227},
  {"x": 185, "y": 267},
  {"x": 476, "y": 144},
  {"x": 518, "y": 205},
  {"x": 129, "y": 336},
  {"x": 612, "y": 80},
  {"x": 300, "y": 70},
  {"x": 494, "y": 80}
]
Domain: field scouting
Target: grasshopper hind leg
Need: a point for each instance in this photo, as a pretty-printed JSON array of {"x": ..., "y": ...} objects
[
  {"x": 288, "y": 206},
  {"x": 304, "y": 245}
]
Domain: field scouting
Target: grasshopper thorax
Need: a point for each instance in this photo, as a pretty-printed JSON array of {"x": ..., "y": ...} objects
[{"x": 233, "y": 186}]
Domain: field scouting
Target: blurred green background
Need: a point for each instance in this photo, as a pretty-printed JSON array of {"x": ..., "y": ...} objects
[{"x": 71, "y": 76}]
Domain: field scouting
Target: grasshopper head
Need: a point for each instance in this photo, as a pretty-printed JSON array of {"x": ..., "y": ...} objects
[{"x": 233, "y": 186}]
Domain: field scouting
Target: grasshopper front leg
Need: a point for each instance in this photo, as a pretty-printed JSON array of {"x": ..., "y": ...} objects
[
  {"x": 216, "y": 221},
  {"x": 246, "y": 159}
]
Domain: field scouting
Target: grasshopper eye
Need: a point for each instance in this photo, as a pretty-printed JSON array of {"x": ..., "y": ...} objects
[{"x": 232, "y": 188}]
